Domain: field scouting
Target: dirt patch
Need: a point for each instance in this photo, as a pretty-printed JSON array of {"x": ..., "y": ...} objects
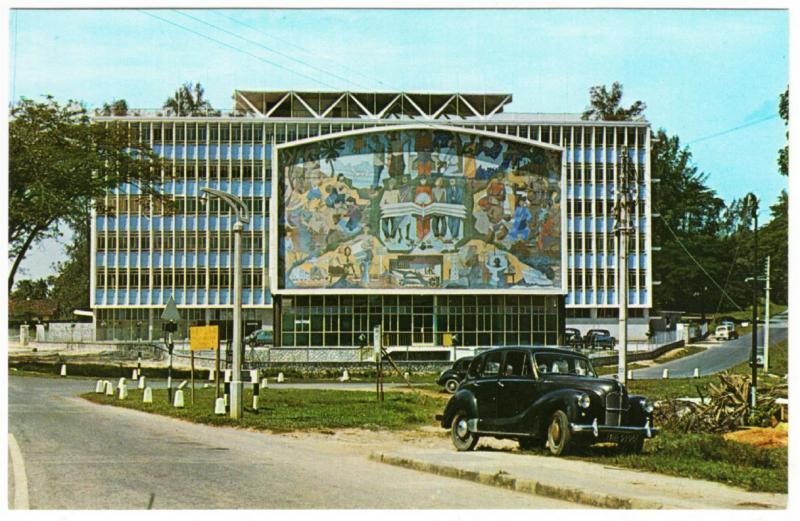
[{"x": 764, "y": 437}]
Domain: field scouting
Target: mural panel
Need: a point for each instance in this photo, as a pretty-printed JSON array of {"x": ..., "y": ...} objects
[{"x": 414, "y": 209}]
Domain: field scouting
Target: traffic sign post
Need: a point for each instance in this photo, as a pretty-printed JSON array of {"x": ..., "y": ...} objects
[{"x": 204, "y": 338}]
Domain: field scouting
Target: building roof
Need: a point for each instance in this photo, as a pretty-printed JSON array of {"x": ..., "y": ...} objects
[{"x": 345, "y": 104}]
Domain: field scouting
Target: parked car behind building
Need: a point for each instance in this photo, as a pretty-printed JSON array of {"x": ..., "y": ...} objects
[{"x": 599, "y": 339}]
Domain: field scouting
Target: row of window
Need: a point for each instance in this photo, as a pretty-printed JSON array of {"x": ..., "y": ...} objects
[
  {"x": 174, "y": 205},
  {"x": 181, "y": 241},
  {"x": 632, "y": 277},
  {"x": 235, "y": 132},
  {"x": 168, "y": 278},
  {"x": 221, "y": 170}
]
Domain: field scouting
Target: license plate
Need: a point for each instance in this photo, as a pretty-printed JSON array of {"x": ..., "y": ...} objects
[{"x": 622, "y": 437}]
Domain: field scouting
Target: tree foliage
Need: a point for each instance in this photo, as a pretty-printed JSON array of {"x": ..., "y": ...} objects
[
  {"x": 783, "y": 154},
  {"x": 59, "y": 163},
  {"x": 115, "y": 108},
  {"x": 31, "y": 289},
  {"x": 189, "y": 100},
  {"x": 604, "y": 105}
]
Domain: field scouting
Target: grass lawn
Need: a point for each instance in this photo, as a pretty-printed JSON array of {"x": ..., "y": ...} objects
[
  {"x": 283, "y": 410},
  {"x": 703, "y": 456}
]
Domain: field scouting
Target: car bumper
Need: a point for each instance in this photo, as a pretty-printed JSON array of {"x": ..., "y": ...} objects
[{"x": 612, "y": 432}]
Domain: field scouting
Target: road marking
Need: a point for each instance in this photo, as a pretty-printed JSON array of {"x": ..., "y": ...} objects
[{"x": 20, "y": 476}]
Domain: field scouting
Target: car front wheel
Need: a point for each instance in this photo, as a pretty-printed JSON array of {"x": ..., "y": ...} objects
[
  {"x": 451, "y": 385},
  {"x": 462, "y": 438},
  {"x": 558, "y": 434}
]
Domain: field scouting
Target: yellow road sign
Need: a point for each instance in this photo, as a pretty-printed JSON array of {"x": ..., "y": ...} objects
[{"x": 202, "y": 338}]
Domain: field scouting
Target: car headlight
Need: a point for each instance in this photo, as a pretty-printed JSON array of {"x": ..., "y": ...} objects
[
  {"x": 648, "y": 407},
  {"x": 584, "y": 401}
]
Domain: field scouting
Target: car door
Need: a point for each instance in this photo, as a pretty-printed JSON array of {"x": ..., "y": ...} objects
[
  {"x": 517, "y": 389},
  {"x": 484, "y": 388}
]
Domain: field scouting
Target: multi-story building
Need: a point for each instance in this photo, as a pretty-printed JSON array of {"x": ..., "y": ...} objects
[{"x": 361, "y": 230}]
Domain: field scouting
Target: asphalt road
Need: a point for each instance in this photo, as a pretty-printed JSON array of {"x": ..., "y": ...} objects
[
  {"x": 720, "y": 355},
  {"x": 79, "y": 455}
]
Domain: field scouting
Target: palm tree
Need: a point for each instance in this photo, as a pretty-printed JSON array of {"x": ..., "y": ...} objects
[
  {"x": 189, "y": 101},
  {"x": 605, "y": 105},
  {"x": 330, "y": 151}
]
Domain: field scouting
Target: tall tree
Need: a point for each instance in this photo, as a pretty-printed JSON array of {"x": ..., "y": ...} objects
[
  {"x": 60, "y": 162},
  {"x": 115, "y": 108},
  {"x": 189, "y": 100},
  {"x": 783, "y": 154},
  {"x": 71, "y": 284},
  {"x": 31, "y": 289},
  {"x": 604, "y": 105}
]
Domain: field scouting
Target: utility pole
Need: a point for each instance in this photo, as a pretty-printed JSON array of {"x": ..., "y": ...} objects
[
  {"x": 626, "y": 189},
  {"x": 766, "y": 318},
  {"x": 242, "y": 218},
  {"x": 754, "y": 282}
]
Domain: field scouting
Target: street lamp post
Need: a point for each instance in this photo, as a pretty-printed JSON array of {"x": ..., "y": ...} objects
[
  {"x": 242, "y": 218},
  {"x": 754, "y": 337}
]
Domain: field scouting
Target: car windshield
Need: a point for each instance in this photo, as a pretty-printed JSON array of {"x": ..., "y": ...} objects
[{"x": 557, "y": 363}]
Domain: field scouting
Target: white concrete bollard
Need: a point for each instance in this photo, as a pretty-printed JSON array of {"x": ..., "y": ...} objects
[
  {"x": 100, "y": 387},
  {"x": 123, "y": 392},
  {"x": 121, "y": 382},
  {"x": 178, "y": 402},
  {"x": 254, "y": 376},
  {"x": 696, "y": 373},
  {"x": 264, "y": 383},
  {"x": 345, "y": 376},
  {"x": 211, "y": 375},
  {"x": 665, "y": 374},
  {"x": 280, "y": 378},
  {"x": 219, "y": 406},
  {"x": 141, "y": 382},
  {"x": 147, "y": 397},
  {"x": 406, "y": 375},
  {"x": 630, "y": 374},
  {"x": 134, "y": 375},
  {"x": 63, "y": 369},
  {"x": 109, "y": 389}
]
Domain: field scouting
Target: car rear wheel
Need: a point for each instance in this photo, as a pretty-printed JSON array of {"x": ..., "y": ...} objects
[
  {"x": 451, "y": 385},
  {"x": 462, "y": 438},
  {"x": 558, "y": 434}
]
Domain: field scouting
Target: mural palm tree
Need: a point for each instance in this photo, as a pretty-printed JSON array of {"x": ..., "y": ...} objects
[
  {"x": 330, "y": 151},
  {"x": 189, "y": 100}
]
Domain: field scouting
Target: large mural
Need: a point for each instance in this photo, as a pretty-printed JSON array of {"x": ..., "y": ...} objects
[{"x": 415, "y": 209}]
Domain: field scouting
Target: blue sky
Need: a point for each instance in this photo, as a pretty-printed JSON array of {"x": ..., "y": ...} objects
[{"x": 701, "y": 72}]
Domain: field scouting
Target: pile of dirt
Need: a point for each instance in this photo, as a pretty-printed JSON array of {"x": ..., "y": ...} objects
[{"x": 765, "y": 437}]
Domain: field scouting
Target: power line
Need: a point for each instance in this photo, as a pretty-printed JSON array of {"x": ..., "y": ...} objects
[
  {"x": 734, "y": 129},
  {"x": 291, "y": 44},
  {"x": 695, "y": 260},
  {"x": 347, "y": 80},
  {"x": 237, "y": 49}
]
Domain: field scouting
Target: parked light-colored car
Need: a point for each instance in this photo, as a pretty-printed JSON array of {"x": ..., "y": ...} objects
[{"x": 726, "y": 332}]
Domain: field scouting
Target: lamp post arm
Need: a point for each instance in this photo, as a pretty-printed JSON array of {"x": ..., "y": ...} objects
[{"x": 238, "y": 206}]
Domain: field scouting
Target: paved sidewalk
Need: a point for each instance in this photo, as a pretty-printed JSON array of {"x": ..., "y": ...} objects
[{"x": 581, "y": 482}]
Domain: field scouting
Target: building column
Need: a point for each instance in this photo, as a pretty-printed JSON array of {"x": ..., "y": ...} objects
[{"x": 150, "y": 324}]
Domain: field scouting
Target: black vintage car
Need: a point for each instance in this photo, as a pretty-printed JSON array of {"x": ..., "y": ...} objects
[
  {"x": 599, "y": 339},
  {"x": 544, "y": 396},
  {"x": 450, "y": 378}
]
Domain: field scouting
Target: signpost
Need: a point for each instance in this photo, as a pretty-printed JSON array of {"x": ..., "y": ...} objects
[
  {"x": 171, "y": 317},
  {"x": 204, "y": 338},
  {"x": 376, "y": 346}
]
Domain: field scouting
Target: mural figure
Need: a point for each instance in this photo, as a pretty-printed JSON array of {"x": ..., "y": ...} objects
[{"x": 423, "y": 208}]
